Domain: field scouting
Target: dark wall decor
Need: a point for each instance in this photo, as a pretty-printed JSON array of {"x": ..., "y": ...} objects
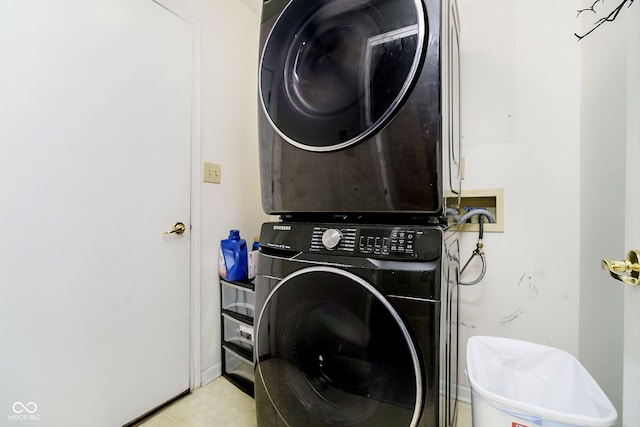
[{"x": 602, "y": 14}]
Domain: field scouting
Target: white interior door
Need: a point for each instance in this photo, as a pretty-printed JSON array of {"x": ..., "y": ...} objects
[{"x": 95, "y": 134}]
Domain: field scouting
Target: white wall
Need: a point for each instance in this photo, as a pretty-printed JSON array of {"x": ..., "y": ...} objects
[
  {"x": 229, "y": 61},
  {"x": 520, "y": 87}
]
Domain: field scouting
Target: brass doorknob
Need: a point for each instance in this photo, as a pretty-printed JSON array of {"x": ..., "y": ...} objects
[
  {"x": 178, "y": 228},
  {"x": 627, "y": 271}
]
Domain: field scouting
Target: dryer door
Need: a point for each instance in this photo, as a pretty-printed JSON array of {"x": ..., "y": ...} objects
[
  {"x": 332, "y": 72},
  {"x": 332, "y": 350}
]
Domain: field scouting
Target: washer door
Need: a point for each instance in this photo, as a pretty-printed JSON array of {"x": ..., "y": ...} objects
[
  {"x": 331, "y": 350},
  {"x": 332, "y": 72}
]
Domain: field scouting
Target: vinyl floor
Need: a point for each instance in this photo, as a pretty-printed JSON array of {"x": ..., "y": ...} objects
[{"x": 221, "y": 404}]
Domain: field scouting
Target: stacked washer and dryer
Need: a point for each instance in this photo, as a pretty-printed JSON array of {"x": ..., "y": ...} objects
[{"x": 356, "y": 291}]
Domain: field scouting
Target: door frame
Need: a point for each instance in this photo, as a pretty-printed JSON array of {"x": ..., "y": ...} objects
[
  {"x": 184, "y": 12},
  {"x": 631, "y": 341}
]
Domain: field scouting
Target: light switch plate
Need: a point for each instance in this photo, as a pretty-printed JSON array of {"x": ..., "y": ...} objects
[{"x": 211, "y": 172}]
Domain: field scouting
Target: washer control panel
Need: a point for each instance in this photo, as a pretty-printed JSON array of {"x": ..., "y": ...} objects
[
  {"x": 398, "y": 241},
  {"x": 331, "y": 238},
  {"x": 340, "y": 239},
  {"x": 369, "y": 241},
  {"x": 372, "y": 241}
]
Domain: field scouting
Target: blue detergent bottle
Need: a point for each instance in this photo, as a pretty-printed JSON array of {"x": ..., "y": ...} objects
[{"x": 232, "y": 264}]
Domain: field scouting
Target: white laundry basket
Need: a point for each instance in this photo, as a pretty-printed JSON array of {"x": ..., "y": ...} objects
[{"x": 521, "y": 384}]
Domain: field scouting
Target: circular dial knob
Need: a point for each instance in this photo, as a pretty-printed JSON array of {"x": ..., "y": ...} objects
[{"x": 331, "y": 238}]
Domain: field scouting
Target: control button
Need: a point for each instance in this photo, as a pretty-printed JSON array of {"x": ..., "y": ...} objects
[{"x": 331, "y": 238}]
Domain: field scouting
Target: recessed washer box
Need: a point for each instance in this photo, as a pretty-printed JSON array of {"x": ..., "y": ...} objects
[{"x": 490, "y": 199}]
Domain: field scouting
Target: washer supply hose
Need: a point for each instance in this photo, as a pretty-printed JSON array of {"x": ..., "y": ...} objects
[
  {"x": 483, "y": 260},
  {"x": 474, "y": 212},
  {"x": 481, "y": 213}
]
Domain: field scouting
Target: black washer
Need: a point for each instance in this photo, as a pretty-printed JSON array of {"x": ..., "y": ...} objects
[{"x": 350, "y": 335}]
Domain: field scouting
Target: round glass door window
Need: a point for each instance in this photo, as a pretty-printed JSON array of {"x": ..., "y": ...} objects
[
  {"x": 331, "y": 350},
  {"x": 333, "y": 72}
]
